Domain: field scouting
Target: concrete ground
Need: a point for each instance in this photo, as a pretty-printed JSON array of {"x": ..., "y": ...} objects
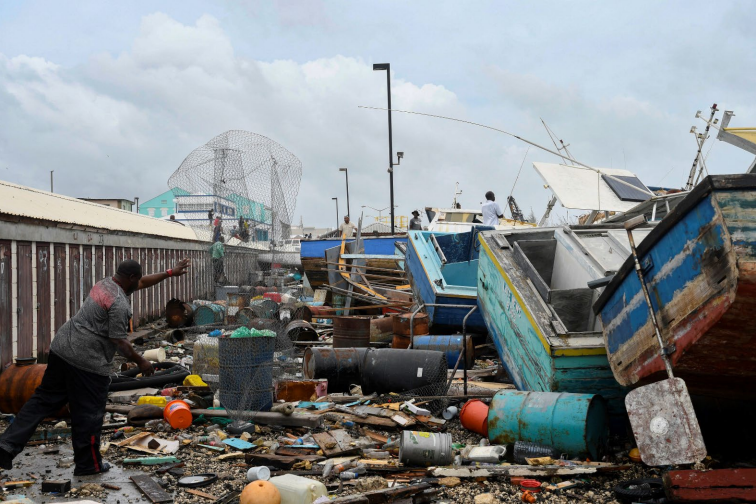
[{"x": 32, "y": 462}]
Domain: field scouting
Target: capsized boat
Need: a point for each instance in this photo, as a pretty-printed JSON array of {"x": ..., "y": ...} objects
[
  {"x": 534, "y": 297},
  {"x": 442, "y": 269},
  {"x": 699, "y": 263}
]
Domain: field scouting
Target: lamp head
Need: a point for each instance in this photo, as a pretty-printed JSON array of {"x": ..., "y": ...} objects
[
  {"x": 381, "y": 66},
  {"x": 400, "y": 155},
  {"x": 342, "y": 169}
]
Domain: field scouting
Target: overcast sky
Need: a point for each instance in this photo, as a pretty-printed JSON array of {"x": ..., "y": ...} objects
[{"x": 113, "y": 96}]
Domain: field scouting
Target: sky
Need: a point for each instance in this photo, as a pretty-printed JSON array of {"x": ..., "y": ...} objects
[{"x": 113, "y": 96}]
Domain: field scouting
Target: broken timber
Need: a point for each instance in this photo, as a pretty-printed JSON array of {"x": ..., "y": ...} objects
[
  {"x": 513, "y": 470},
  {"x": 263, "y": 417},
  {"x": 151, "y": 489},
  {"x": 711, "y": 486}
]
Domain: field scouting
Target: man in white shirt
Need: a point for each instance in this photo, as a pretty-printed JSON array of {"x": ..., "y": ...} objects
[
  {"x": 491, "y": 210},
  {"x": 347, "y": 228}
]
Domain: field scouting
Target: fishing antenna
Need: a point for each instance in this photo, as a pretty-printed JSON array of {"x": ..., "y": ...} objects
[
  {"x": 513, "y": 208},
  {"x": 700, "y": 139},
  {"x": 553, "y": 138},
  {"x": 556, "y": 153}
]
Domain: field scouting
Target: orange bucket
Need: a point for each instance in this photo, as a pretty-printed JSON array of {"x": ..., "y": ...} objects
[
  {"x": 474, "y": 417},
  {"x": 178, "y": 414}
]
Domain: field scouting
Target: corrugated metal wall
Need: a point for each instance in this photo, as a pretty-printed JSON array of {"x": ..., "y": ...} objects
[{"x": 43, "y": 283}]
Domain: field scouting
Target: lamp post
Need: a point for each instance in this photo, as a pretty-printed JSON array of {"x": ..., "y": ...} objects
[
  {"x": 387, "y": 68},
  {"x": 346, "y": 172},
  {"x": 337, "y": 212}
]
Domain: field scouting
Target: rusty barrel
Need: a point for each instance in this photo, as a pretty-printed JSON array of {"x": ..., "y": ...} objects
[
  {"x": 402, "y": 324},
  {"x": 300, "y": 330},
  {"x": 245, "y": 316},
  {"x": 17, "y": 385},
  {"x": 209, "y": 314},
  {"x": 387, "y": 370},
  {"x": 319, "y": 312},
  {"x": 265, "y": 308},
  {"x": 351, "y": 332},
  {"x": 576, "y": 424},
  {"x": 178, "y": 313},
  {"x": 399, "y": 341},
  {"x": 340, "y": 366},
  {"x": 452, "y": 346},
  {"x": 381, "y": 329}
]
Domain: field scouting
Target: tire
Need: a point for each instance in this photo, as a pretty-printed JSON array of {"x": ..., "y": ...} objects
[
  {"x": 165, "y": 373},
  {"x": 639, "y": 489}
]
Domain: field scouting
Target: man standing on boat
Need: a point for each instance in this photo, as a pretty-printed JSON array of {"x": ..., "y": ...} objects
[
  {"x": 79, "y": 367},
  {"x": 347, "y": 228},
  {"x": 415, "y": 223},
  {"x": 491, "y": 210}
]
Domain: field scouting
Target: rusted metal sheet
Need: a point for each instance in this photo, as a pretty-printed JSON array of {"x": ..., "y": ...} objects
[
  {"x": 59, "y": 277},
  {"x": 44, "y": 317},
  {"x": 6, "y": 338},
  {"x": 74, "y": 274},
  {"x": 99, "y": 263},
  {"x": 664, "y": 424},
  {"x": 718, "y": 485},
  {"x": 25, "y": 307},
  {"x": 351, "y": 332},
  {"x": 109, "y": 262},
  {"x": 86, "y": 272},
  {"x": 300, "y": 390}
]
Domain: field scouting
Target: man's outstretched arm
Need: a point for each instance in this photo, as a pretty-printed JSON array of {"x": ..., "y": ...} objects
[{"x": 155, "y": 278}]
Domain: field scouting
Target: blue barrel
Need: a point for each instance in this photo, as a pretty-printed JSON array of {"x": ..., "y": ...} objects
[
  {"x": 576, "y": 424},
  {"x": 209, "y": 314},
  {"x": 265, "y": 308},
  {"x": 246, "y": 374},
  {"x": 452, "y": 346}
]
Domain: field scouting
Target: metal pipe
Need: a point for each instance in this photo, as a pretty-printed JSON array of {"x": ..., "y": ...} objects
[
  {"x": 438, "y": 249},
  {"x": 464, "y": 338},
  {"x": 412, "y": 325},
  {"x": 629, "y": 226}
]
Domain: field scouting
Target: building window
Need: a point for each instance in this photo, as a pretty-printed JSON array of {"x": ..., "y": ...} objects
[
  {"x": 163, "y": 212},
  {"x": 163, "y": 202},
  {"x": 151, "y": 212}
]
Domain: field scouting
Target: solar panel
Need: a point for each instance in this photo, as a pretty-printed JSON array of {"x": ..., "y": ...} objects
[{"x": 626, "y": 193}]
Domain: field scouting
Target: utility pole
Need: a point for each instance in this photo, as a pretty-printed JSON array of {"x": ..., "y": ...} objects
[
  {"x": 136, "y": 198},
  {"x": 51, "y": 180}
]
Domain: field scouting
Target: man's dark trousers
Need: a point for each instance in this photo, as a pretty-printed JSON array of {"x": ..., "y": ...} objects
[{"x": 86, "y": 394}]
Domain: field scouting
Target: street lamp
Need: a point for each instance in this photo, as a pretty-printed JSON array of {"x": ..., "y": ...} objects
[
  {"x": 346, "y": 172},
  {"x": 387, "y": 68},
  {"x": 337, "y": 211}
]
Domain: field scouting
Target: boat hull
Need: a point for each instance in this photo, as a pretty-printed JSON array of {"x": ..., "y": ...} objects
[
  {"x": 521, "y": 332},
  {"x": 700, "y": 268}
]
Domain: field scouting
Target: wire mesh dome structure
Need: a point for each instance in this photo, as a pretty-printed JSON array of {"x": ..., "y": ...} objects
[{"x": 248, "y": 181}]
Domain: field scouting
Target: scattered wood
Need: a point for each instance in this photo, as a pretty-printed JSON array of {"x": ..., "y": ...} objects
[
  {"x": 385, "y": 495},
  {"x": 711, "y": 486},
  {"x": 150, "y": 488},
  {"x": 202, "y": 494},
  {"x": 230, "y": 456},
  {"x": 513, "y": 470},
  {"x": 263, "y": 417},
  {"x": 110, "y": 486},
  {"x": 278, "y": 461},
  {"x": 378, "y": 438},
  {"x": 336, "y": 443}
]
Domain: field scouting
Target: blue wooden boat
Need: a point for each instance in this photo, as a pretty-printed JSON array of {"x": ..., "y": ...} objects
[
  {"x": 535, "y": 301},
  {"x": 442, "y": 268},
  {"x": 312, "y": 253},
  {"x": 700, "y": 267}
]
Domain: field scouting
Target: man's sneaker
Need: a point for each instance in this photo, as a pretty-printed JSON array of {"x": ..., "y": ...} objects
[
  {"x": 105, "y": 468},
  {"x": 6, "y": 460}
]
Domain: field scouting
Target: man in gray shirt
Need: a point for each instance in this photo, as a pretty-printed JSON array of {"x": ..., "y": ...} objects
[{"x": 79, "y": 368}]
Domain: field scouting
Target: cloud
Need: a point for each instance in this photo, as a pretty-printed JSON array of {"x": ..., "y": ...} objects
[{"x": 119, "y": 123}]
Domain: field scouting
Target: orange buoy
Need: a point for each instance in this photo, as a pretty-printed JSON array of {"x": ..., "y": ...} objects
[
  {"x": 260, "y": 492},
  {"x": 178, "y": 414}
]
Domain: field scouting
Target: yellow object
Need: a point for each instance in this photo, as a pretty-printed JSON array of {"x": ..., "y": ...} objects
[
  {"x": 744, "y": 133},
  {"x": 194, "y": 380},
  {"x": 154, "y": 400},
  {"x": 222, "y": 435},
  {"x": 634, "y": 455}
]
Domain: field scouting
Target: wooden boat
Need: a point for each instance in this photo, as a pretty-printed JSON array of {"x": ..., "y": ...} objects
[
  {"x": 535, "y": 301},
  {"x": 442, "y": 268},
  {"x": 700, "y": 267},
  {"x": 312, "y": 253}
]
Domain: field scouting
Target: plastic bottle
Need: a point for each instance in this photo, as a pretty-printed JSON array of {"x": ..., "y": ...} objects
[
  {"x": 328, "y": 468},
  {"x": 158, "y": 425},
  {"x": 338, "y": 469},
  {"x": 378, "y": 455}
]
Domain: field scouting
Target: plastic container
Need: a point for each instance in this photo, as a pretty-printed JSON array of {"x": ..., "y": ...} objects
[
  {"x": 178, "y": 414},
  {"x": 576, "y": 424},
  {"x": 298, "y": 490},
  {"x": 258, "y": 473},
  {"x": 474, "y": 417},
  {"x": 194, "y": 381},
  {"x": 157, "y": 425},
  {"x": 154, "y": 400},
  {"x": 155, "y": 355},
  {"x": 425, "y": 449},
  {"x": 487, "y": 454}
]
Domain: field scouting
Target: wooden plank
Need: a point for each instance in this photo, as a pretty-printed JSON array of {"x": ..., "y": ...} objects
[
  {"x": 44, "y": 312},
  {"x": 151, "y": 489},
  {"x": 336, "y": 443},
  {"x": 25, "y": 308},
  {"x": 202, "y": 494},
  {"x": 514, "y": 470},
  {"x": 279, "y": 461},
  {"x": 6, "y": 337},
  {"x": 711, "y": 486},
  {"x": 74, "y": 274},
  {"x": 59, "y": 273}
]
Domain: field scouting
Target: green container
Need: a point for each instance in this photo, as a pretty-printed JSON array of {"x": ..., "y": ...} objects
[{"x": 209, "y": 314}]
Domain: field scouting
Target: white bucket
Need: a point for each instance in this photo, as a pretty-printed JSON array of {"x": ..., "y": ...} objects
[
  {"x": 155, "y": 355},
  {"x": 258, "y": 473}
]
